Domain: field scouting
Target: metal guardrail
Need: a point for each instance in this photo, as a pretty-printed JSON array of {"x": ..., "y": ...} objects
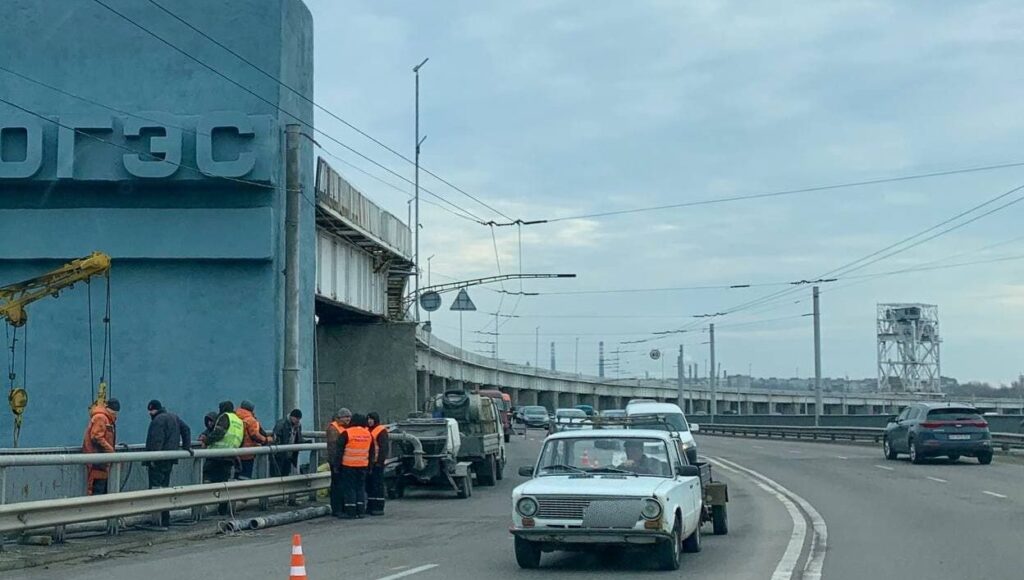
[{"x": 1004, "y": 441}]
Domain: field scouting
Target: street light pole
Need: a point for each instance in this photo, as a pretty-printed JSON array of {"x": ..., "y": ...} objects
[
  {"x": 817, "y": 359},
  {"x": 416, "y": 197}
]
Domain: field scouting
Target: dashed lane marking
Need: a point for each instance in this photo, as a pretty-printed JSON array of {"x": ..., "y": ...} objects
[
  {"x": 885, "y": 467},
  {"x": 410, "y": 572},
  {"x": 994, "y": 494},
  {"x": 795, "y": 451},
  {"x": 841, "y": 457},
  {"x": 936, "y": 479}
]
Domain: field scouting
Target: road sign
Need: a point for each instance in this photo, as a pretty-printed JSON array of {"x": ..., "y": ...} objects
[
  {"x": 462, "y": 301},
  {"x": 430, "y": 301},
  {"x": 655, "y": 354}
]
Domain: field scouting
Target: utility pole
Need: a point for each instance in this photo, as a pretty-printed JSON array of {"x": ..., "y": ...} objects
[
  {"x": 293, "y": 185},
  {"x": 817, "y": 359},
  {"x": 681, "y": 395},
  {"x": 576, "y": 357},
  {"x": 536, "y": 349},
  {"x": 600, "y": 359},
  {"x": 552, "y": 355},
  {"x": 416, "y": 197},
  {"x": 712, "y": 375}
]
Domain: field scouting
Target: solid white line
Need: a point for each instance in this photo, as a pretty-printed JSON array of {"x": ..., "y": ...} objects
[
  {"x": 410, "y": 572},
  {"x": 994, "y": 494},
  {"x": 938, "y": 479},
  {"x": 757, "y": 447},
  {"x": 787, "y": 565},
  {"x": 885, "y": 467},
  {"x": 841, "y": 457},
  {"x": 819, "y": 539}
]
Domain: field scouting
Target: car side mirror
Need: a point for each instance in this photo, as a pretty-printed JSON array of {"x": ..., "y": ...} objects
[
  {"x": 892, "y": 419},
  {"x": 694, "y": 428},
  {"x": 526, "y": 471},
  {"x": 688, "y": 471}
]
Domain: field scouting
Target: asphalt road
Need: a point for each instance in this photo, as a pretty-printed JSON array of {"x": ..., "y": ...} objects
[{"x": 932, "y": 521}]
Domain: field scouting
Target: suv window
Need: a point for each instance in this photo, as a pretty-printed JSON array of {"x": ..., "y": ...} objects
[
  {"x": 953, "y": 414},
  {"x": 915, "y": 413}
]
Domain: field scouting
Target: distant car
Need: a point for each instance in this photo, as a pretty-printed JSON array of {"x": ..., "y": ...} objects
[
  {"x": 613, "y": 413},
  {"x": 925, "y": 430},
  {"x": 589, "y": 410},
  {"x": 535, "y": 416},
  {"x": 665, "y": 417},
  {"x": 566, "y": 419}
]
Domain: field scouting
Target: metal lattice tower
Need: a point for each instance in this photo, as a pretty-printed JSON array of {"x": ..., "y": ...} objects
[{"x": 908, "y": 348}]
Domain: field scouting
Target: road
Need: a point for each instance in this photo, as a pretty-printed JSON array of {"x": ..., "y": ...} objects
[{"x": 933, "y": 521}]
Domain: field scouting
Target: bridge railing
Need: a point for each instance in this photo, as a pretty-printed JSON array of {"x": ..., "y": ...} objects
[{"x": 1003, "y": 441}]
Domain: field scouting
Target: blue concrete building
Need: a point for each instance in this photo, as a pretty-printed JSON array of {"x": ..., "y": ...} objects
[{"x": 196, "y": 232}]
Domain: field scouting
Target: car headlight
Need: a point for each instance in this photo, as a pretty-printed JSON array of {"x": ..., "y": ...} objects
[
  {"x": 527, "y": 507},
  {"x": 688, "y": 445},
  {"x": 651, "y": 509}
]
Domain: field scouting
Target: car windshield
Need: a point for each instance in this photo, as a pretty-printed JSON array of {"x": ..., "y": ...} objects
[
  {"x": 571, "y": 413},
  {"x": 535, "y": 411},
  {"x": 608, "y": 454},
  {"x": 613, "y": 413},
  {"x": 954, "y": 415},
  {"x": 660, "y": 422}
]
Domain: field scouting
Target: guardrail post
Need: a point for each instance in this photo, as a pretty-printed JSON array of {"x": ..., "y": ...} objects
[
  {"x": 3, "y": 485},
  {"x": 114, "y": 486},
  {"x": 58, "y": 534},
  {"x": 314, "y": 464},
  {"x": 198, "y": 464},
  {"x": 262, "y": 471}
]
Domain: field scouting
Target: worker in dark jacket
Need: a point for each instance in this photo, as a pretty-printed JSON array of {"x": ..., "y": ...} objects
[
  {"x": 208, "y": 422},
  {"x": 375, "y": 496},
  {"x": 355, "y": 445},
  {"x": 287, "y": 431},
  {"x": 167, "y": 432},
  {"x": 342, "y": 420}
]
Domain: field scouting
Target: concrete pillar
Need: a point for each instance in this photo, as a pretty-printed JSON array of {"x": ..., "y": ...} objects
[
  {"x": 422, "y": 387},
  {"x": 527, "y": 397},
  {"x": 547, "y": 399},
  {"x": 567, "y": 399},
  {"x": 585, "y": 399}
]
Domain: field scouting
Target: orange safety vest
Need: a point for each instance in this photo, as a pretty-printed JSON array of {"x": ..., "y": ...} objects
[
  {"x": 338, "y": 426},
  {"x": 375, "y": 432},
  {"x": 357, "y": 449}
]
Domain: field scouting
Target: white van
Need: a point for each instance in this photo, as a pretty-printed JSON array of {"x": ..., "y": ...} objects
[{"x": 673, "y": 416}]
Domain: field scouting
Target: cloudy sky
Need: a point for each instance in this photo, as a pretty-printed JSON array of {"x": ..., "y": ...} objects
[{"x": 551, "y": 109}]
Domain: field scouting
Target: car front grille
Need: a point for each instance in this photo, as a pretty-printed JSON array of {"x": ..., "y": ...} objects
[{"x": 564, "y": 507}]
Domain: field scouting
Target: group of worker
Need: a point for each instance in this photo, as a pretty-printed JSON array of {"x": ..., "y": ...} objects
[
  {"x": 225, "y": 429},
  {"x": 357, "y": 447}
]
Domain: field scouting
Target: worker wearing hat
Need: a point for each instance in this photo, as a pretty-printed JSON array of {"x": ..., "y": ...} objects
[
  {"x": 337, "y": 426},
  {"x": 100, "y": 437}
]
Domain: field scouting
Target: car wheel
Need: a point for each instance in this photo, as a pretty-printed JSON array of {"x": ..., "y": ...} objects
[
  {"x": 501, "y": 469},
  {"x": 527, "y": 554},
  {"x": 508, "y": 435},
  {"x": 915, "y": 457},
  {"x": 487, "y": 471},
  {"x": 954, "y": 458},
  {"x": 890, "y": 453},
  {"x": 667, "y": 555},
  {"x": 692, "y": 543},
  {"x": 465, "y": 484},
  {"x": 985, "y": 458},
  {"x": 719, "y": 520}
]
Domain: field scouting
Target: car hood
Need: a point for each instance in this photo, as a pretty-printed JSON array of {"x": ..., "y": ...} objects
[{"x": 597, "y": 485}]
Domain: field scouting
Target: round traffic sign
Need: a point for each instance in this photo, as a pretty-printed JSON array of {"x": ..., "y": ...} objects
[
  {"x": 655, "y": 354},
  {"x": 430, "y": 301}
]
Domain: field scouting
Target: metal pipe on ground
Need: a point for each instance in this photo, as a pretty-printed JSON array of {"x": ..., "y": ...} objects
[{"x": 269, "y": 521}]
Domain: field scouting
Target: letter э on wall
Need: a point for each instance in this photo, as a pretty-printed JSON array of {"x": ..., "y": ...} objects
[{"x": 145, "y": 145}]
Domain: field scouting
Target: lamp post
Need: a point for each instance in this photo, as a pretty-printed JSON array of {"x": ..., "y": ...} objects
[{"x": 416, "y": 197}]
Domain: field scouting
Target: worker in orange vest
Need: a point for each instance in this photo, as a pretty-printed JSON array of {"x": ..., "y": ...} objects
[
  {"x": 375, "y": 497},
  {"x": 100, "y": 437},
  {"x": 342, "y": 420},
  {"x": 254, "y": 436},
  {"x": 356, "y": 447}
]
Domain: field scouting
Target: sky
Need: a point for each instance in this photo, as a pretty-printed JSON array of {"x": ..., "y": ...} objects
[{"x": 556, "y": 109}]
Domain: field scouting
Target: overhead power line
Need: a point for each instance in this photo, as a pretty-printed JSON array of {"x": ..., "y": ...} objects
[{"x": 321, "y": 108}]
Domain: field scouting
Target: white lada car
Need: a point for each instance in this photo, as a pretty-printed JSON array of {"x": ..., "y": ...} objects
[{"x": 614, "y": 487}]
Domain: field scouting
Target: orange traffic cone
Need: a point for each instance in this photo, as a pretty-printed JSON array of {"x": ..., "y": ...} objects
[
  {"x": 585, "y": 460},
  {"x": 298, "y": 568}
]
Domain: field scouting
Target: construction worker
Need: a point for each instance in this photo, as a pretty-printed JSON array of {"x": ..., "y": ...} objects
[
  {"x": 100, "y": 437},
  {"x": 208, "y": 422},
  {"x": 356, "y": 447},
  {"x": 375, "y": 496},
  {"x": 287, "y": 431},
  {"x": 227, "y": 433},
  {"x": 342, "y": 419},
  {"x": 254, "y": 436},
  {"x": 167, "y": 432}
]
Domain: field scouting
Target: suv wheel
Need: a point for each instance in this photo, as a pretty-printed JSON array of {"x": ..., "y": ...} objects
[
  {"x": 915, "y": 456},
  {"x": 985, "y": 458},
  {"x": 887, "y": 449}
]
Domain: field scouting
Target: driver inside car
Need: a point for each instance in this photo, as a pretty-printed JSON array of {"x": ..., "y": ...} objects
[{"x": 637, "y": 462}]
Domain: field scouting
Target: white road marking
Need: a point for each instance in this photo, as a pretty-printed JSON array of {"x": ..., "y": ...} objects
[
  {"x": 795, "y": 451},
  {"x": 885, "y": 467},
  {"x": 787, "y": 565},
  {"x": 757, "y": 447},
  {"x": 994, "y": 494},
  {"x": 410, "y": 572},
  {"x": 938, "y": 479},
  {"x": 841, "y": 457}
]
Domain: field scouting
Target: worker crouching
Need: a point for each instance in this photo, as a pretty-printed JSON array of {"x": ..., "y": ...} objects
[
  {"x": 356, "y": 448},
  {"x": 375, "y": 495},
  {"x": 100, "y": 437}
]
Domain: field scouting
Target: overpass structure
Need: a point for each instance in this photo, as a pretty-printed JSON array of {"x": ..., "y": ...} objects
[{"x": 441, "y": 366}]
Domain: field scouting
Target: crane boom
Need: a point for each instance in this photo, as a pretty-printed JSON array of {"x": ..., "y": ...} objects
[{"x": 15, "y": 297}]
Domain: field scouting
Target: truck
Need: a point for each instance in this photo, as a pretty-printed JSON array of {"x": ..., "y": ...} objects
[
  {"x": 480, "y": 430},
  {"x": 504, "y": 403},
  {"x": 425, "y": 451}
]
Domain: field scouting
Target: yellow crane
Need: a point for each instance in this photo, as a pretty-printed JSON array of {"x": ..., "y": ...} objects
[{"x": 14, "y": 298}]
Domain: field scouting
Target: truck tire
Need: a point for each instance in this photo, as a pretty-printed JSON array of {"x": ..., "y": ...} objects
[
  {"x": 692, "y": 544},
  {"x": 465, "y": 484},
  {"x": 666, "y": 553},
  {"x": 719, "y": 520},
  {"x": 508, "y": 435},
  {"x": 487, "y": 472},
  {"x": 501, "y": 470},
  {"x": 527, "y": 554}
]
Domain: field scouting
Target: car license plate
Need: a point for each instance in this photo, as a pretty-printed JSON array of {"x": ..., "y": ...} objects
[{"x": 959, "y": 437}]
